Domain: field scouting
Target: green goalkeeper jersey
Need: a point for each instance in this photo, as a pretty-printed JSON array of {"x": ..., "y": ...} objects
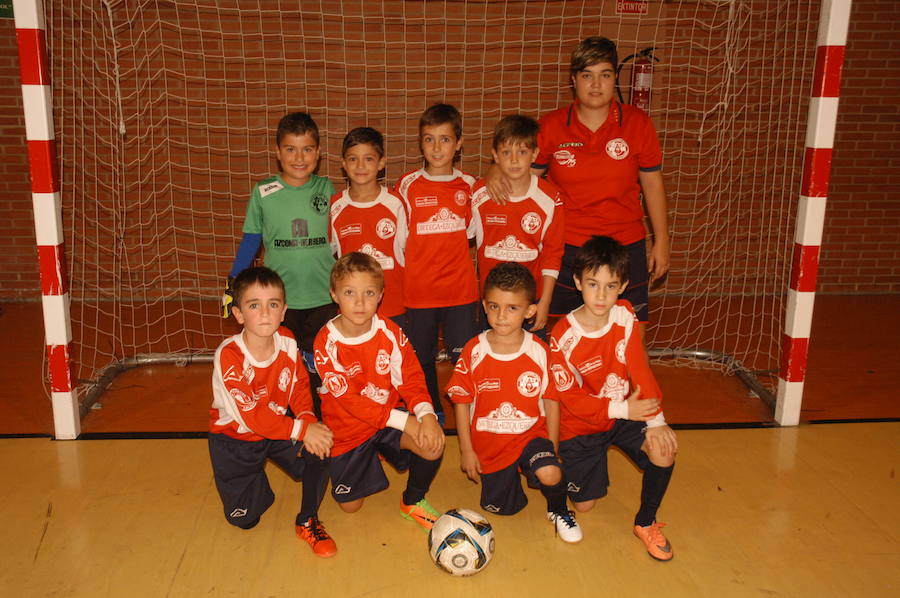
[{"x": 293, "y": 222}]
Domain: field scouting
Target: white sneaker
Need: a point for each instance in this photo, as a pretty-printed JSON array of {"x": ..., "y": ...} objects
[{"x": 567, "y": 528}]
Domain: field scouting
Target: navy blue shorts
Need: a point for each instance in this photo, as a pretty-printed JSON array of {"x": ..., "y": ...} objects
[
  {"x": 584, "y": 458},
  {"x": 501, "y": 491},
  {"x": 239, "y": 472},
  {"x": 358, "y": 472},
  {"x": 566, "y": 297}
]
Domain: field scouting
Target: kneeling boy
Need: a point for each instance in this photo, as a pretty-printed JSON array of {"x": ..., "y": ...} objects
[
  {"x": 369, "y": 371},
  {"x": 498, "y": 388},
  {"x": 261, "y": 409},
  {"x": 597, "y": 360}
]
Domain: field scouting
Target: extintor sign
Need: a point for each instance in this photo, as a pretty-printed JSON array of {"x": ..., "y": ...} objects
[{"x": 632, "y": 7}]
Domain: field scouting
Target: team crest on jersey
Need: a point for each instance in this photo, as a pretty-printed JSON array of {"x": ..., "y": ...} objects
[
  {"x": 382, "y": 362},
  {"x": 319, "y": 203},
  {"x": 445, "y": 221},
  {"x": 489, "y": 384},
  {"x": 495, "y": 219},
  {"x": 505, "y": 419},
  {"x": 460, "y": 198},
  {"x": 244, "y": 402},
  {"x": 428, "y": 201},
  {"x": 531, "y": 223},
  {"x": 620, "y": 351},
  {"x": 614, "y": 388},
  {"x": 321, "y": 358},
  {"x": 564, "y": 158},
  {"x": 276, "y": 408},
  {"x": 617, "y": 149},
  {"x": 284, "y": 378},
  {"x": 588, "y": 366},
  {"x": 562, "y": 377},
  {"x": 375, "y": 394},
  {"x": 335, "y": 383},
  {"x": 385, "y": 229},
  {"x": 270, "y": 188},
  {"x": 350, "y": 229},
  {"x": 510, "y": 249},
  {"x": 529, "y": 384}
]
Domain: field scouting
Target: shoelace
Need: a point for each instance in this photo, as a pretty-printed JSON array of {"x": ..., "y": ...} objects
[
  {"x": 655, "y": 535},
  {"x": 316, "y": 529},
  {"x": 567, "y": 518}
]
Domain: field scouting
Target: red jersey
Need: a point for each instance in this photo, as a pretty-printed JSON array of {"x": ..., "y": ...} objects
[
  {"x": 506, "y": 394},
  {"x": 250, "y": 397},
  {"x": 599, "y": 170},
  {"x": 594, "y": 372},
  {"x": 365, "y": 379},
  {"x": 527, "y": 230},
  {"x": 376, "y": 228},
  {"x": 439, "y": 270}
]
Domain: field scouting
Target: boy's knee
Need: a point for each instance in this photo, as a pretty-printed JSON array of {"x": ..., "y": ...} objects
[
  {"x": 549, "y": 475},
  {"x": 584, "y": 507},
  {"x": 351, "y": 507},
  {"x": 662, "y": 460}
]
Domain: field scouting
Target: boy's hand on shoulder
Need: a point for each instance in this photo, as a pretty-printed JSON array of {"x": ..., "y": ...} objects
[
  {"x": 662, "y": 439},
  {"x": 429, "y": 434},
  {"x": 318, "y": 439},
  {"x": 470, "y": 465},
  {"x": 640, "y": 410},
  {"x": 497, "y": 185}
]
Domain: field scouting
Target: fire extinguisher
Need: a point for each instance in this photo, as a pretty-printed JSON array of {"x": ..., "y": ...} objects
[{"x": 641, "y": 78}]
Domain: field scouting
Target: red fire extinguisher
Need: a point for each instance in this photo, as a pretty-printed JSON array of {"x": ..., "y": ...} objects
[{"x": 641, "y": 77}]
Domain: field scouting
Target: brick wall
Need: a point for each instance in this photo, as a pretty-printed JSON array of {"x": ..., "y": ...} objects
[
  {"x": 18, "y": 256},
  {"x": 861, "y": 244}
]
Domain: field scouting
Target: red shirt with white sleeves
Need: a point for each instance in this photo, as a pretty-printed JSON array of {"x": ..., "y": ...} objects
[
  {"x": 439, "y": 269},
  {"x": 506, "y": 395},
  {"x": 594, "y": 372},
  {"x": 250, "y": 397},
  {"x": 377, "y": 228},
  {"x": 364, "y": 381},
  {"x": 598, "y": 170},
  {"x": 528, "y": 230}
]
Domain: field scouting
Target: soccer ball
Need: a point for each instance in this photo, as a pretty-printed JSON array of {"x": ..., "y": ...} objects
[{"x": 461, "y": 542}]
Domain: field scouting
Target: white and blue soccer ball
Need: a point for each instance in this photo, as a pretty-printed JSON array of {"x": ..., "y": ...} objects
[{"x": 461, "y": 542}]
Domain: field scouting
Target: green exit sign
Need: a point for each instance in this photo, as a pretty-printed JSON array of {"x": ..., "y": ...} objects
[{"x": 6, "y": 9}]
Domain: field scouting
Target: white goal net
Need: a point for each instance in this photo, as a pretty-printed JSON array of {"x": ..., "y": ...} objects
[{"x": 165, "y": 113}]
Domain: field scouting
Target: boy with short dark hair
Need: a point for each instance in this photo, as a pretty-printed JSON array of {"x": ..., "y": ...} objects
[
  {"x": 369, "y": 373},
  {"x": 528, "y": 226},
  {"x": 504, "y": 419},
  {"x": 367, "y": 217},
  {"x": 288, "y": 215},
  {"x": 601, "y": 370},
  {"x": 440, "y": 286},
  {"x": 262, "y": 409}
]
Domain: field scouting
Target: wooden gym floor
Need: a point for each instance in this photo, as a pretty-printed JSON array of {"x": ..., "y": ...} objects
[{"x": 805, "y": 511}]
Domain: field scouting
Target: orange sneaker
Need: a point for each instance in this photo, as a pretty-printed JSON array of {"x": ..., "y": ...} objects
[
  {"x": 313, "y": 532},
  {"x": 421, "y": 512},
  {"x": 654, "y": 540}
]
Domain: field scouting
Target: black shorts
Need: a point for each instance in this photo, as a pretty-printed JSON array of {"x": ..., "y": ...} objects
[
  {"x": 584, "y": 458},
  {"x": 239, "y": 471},
  {"x": 501, "y": 491},
  {"x": 566, "y": 297},
  {"x": 358, "y": 472},
  {"x": 306, "y": 323}
]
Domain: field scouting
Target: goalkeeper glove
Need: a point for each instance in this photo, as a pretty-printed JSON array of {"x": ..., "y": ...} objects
[{"x": 228, "y": 297}]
